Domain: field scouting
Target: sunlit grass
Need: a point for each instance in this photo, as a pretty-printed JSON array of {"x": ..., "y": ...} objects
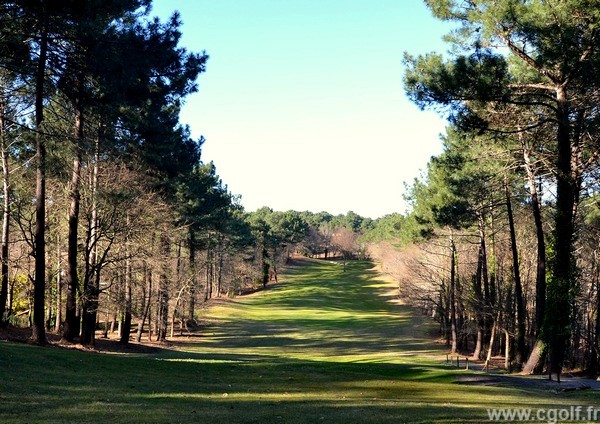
[
  {"x": 323, "y": 346},
  {"x": 329, "y": 312}
]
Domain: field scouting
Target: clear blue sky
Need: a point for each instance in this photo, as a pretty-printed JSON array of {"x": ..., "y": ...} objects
[{"x": 302, "y": 104}]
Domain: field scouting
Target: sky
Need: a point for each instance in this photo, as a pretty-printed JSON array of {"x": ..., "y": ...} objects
[{"x": 302, "y": 103}]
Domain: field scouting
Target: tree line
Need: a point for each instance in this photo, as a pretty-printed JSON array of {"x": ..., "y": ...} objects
[
  {"x": 505, "y": 222},
  {"x": 109, "y": 213}
]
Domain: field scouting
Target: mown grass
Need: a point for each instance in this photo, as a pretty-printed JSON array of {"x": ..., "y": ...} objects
[{"x": 324, "y": 346}]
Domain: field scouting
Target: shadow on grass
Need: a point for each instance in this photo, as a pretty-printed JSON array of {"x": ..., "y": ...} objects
[
  {"x": 330, "y": 288},
  {"x": 326, "y": 349},
  {"x": 47, "y": 385},
  {"x": 332, "y": 313}
]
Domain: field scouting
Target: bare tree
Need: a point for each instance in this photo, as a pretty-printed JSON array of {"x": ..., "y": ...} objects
[{"x": 346, "y": 242}]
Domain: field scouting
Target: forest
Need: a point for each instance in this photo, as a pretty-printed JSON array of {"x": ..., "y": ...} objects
[
  {"x": 109, "y": 213},
  {"x": 112, "y": 223}
]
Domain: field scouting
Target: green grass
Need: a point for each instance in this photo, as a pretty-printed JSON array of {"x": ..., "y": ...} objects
[{"x": 324, "y": 346}]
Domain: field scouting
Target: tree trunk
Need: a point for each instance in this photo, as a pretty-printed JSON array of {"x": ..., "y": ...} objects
[
  {"x": 557, "y": 323},
  {"x": 11, "y": 292},
  {"x": 220, "y": 272},
  {"x": 520, "y": 336},
  {"x": 5, "y": 216},
  {"x": 126, "y": 327},
  {"x": 157, "y": 312},
  {"x": 577, "y": 172},
  {"x": 488, "y": 357},
  {"x": 38, "y": 335},
  {"x": 484, "y": 265},
  {"x": 275, "y": 266},
  {"x": 540, "y": 279},
  {"x": 492, "y": 260},
  {"x": 106, "y": 326},
  {"x": 179, "y": 279},
  {"x": 266, "y": 266},
  {"x": 478, "y": 342},
  {"x": 162, "y": 312},
  {"x": 113, "y": 322},
  {"x": 477, "y": 289},
  {"x": 50, "y": 303},
  {"x": 209, "y": 274},
  {"x": 444, "y": 311},
  {"x": 535, "y": 360},
  {"x": 95, "y": 303},
  {"x": 596, "y": 342},
  {"x": 173, "y": 311},
  {"x": 91, "y": 286},
  {"x": 506, "y": 349},
  {"x": 58, "y": 284},
  {"x": 452, "y": 301},
  {"x": 163, "y": 296},
  {"x": 71, "y": 328},
  {"x": 150, "y": 324},
  {"x": 193, "y": 278},
  {"x": 146, "y": 304}
]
